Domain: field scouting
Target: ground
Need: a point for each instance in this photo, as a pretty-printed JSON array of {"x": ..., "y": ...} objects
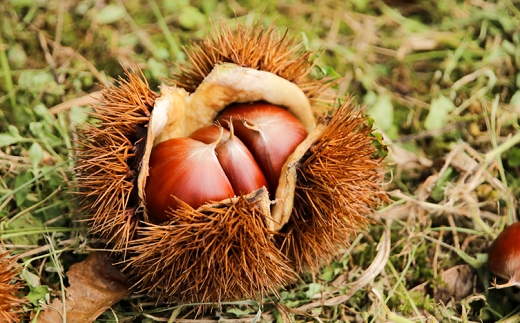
[{"x": 439, "y": 79}]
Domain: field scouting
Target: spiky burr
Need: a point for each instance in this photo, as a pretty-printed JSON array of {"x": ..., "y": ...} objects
[
  {"x": 247, "y": 245},
  {"x": 11, "y": 300}
]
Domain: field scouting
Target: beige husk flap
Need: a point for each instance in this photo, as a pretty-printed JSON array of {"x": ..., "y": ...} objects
[
  {"x": 284, "y": 198},
  {"x": 177, "y": 114},
  {"x": 182, "y": 113},
  {"x": 167, "y": 117}
]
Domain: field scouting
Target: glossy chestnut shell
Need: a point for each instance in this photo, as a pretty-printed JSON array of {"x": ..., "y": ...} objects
[
  {"x": 184, "y": 169},
  {"x": 270, "y": 132},
  {"x": 504, "y": 255},
  {"x": 236, "y": 160}
]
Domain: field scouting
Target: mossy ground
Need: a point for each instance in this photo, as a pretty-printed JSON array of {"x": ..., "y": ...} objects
[{"x": 441, "y": 82}]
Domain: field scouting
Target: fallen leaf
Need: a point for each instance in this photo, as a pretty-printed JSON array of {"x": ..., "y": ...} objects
[
  {"x": 94, "y": 285},
  {"x": 457, "y": 283}
]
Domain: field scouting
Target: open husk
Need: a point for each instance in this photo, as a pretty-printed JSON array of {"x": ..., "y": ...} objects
[{"x": 247, "y": 246}]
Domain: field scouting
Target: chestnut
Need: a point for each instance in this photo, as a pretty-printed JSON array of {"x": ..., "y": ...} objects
[
  {"x": 504, "y": 256},
  {"x": 236, "y": 160},
  {"x": 270, "y": 132},
  {"x": 184, "y": 169},
  {"x": 233, "y": 162}
]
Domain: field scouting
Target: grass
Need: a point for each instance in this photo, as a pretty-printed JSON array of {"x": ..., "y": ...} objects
[{"x": 440, "y": 79}]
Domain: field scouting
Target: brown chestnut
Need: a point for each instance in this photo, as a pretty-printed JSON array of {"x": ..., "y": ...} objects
[
  {"x": 504, "y": 256},
  {"x": 184, "y": 169},
  {"x": 241, "y": 169},
  {"x": 270, "y": 132},
  {"x": 216, "y": 163}
]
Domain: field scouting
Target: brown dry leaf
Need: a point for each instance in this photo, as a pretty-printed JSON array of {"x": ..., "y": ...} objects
[
  {"x": 95, "y": 285},
  {"x": 457, "y": 283}
]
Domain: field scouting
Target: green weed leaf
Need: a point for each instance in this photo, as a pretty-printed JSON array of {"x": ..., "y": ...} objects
[
  {"x": 21, "y": 179},
  {"x": 36, "y": 155},
  {"x": 314, "y": 288},
  {"x": 172, "y": 6},
  {"x": 22, "y": 224},
  {"x": 238, "y": 311},
  {"x": 439, "y": 110},
  {"x": 40, "y": 81},
  {"x": 440, "y": 187},
  {"x": 13, "y": 137},
  {"x": 158, "y": 69},
  {"x": 78, "y": 115},
  {"x": 17, "y": 56},
  {"x": 31, "y": 279},
  {"x": 13, "y": 131},
  {"x": 111, "y": 14},
  {"x": 41, "y": 111},
  {"x": 382, "y": 111},
  {"x": 513, "y": 157},
  {"x": 38, "y": 293},
  {"x": 8, "y": 140},
  {"x": 515, "y": 99},
  {"x": 22, "y": 3},
  {"x": 329, "y": 71},
  {"x": 191, "y": 17}
]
